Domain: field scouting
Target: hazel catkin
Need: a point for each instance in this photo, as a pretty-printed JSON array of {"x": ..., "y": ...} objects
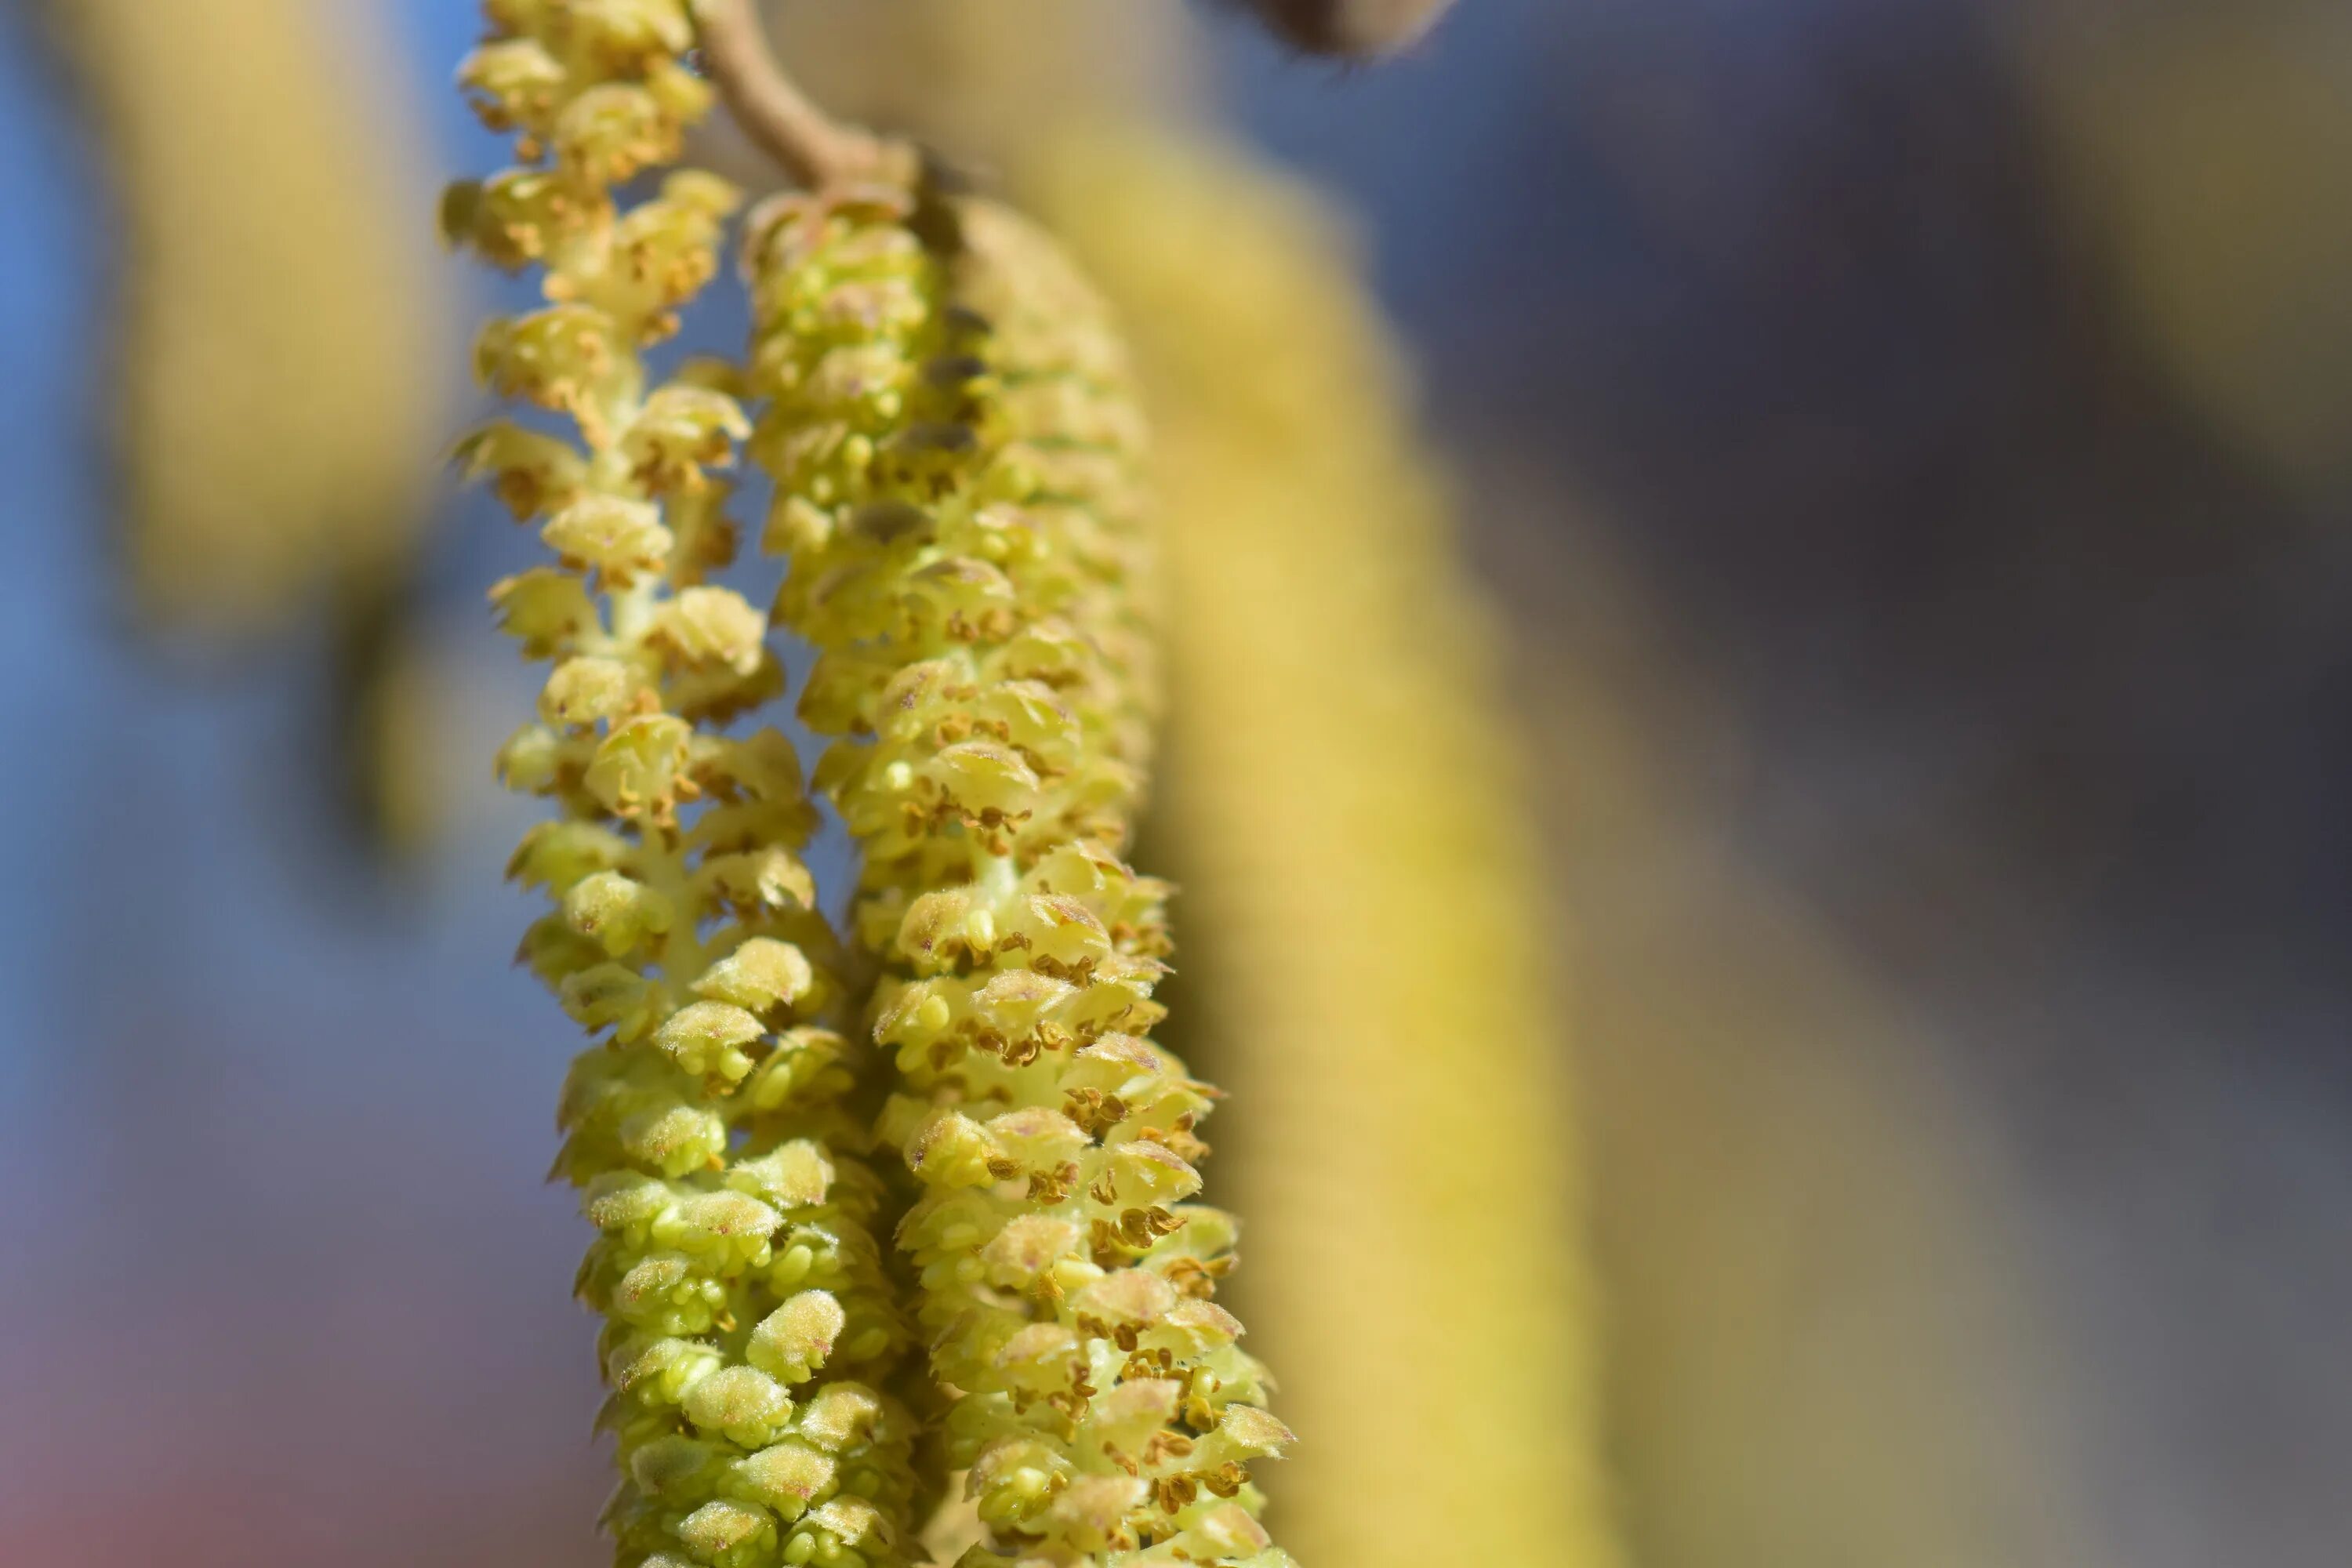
[
  {"x": 956, "y": 445},
  {"x": 750, "y": 1328}
]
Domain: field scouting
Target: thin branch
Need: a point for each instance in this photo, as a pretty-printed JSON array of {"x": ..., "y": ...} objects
[{"x": 814, "y": 149}]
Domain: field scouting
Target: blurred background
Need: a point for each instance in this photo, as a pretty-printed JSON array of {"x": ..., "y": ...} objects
[{"x": 1910, "y": 448}]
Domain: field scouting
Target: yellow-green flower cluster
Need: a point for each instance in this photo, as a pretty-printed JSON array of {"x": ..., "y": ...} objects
[
  {"x": 955, "y": 442},
  {"x": 750, "y": 1328},
  {"x": 965, "y": 541}
]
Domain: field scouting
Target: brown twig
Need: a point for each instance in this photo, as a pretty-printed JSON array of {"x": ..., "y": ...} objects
[{"x": 814, "y": 149}]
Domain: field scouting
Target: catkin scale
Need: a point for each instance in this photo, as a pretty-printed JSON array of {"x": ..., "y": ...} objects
[
  {"x": 955, "y": 437},
  {"x": 749, "y": 1326}
]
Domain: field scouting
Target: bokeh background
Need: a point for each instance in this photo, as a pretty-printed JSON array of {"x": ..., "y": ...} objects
[{"x": 1911, "y": 447}]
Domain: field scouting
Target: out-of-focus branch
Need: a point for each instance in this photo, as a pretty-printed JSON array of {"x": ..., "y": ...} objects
[{"x": 814, "y": 149}]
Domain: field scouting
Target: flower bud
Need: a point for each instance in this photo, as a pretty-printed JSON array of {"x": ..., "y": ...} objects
[
  {"x": 636, "y": 768},
  {"x": 741, "y": 1404},
  {"x": 622, "y": 539},
  {"x": 713, "y": 626},
  {"x": 794, "y": 1175},
  {"x": 787, "y": 1477},
  {"x": 722, "y": 1532},
  {"x": 761, "y": 975},
  {"x": 954, "y": 1151},
  {"x": 588, "y": 692},
  {"x": 795, "y": 1339},
  {"x": 708, "y": 1037},
  {"x": 616, "y": 911}
]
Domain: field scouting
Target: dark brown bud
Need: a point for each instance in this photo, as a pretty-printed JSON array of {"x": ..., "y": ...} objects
[{"x": 1349, "y": 30}]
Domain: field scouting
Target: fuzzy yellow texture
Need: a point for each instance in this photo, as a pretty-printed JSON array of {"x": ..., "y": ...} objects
[
  {"x": 278, "y": 388},
  {"x": 1341, "y": 802},
  {"x": 985, "y": 83},
  {"x": 955, "y": 442},
  {"x": 749, "y": 1325}
]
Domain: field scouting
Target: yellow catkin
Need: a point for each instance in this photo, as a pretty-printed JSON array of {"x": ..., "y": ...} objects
[
  {"x": 954, "y": 439},
  {"x": 749, "y": 1329},
  {"x": 1361, "y": 884},
  {"x": 278, "y": 387}
]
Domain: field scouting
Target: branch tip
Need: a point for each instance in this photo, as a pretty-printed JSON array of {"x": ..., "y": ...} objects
[{"x": 813, "y": 148}]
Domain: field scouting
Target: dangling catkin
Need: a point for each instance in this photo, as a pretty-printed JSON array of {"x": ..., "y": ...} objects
[
  {"x": 749, "y": 1326},
  {"x": 954, "y": 440}
]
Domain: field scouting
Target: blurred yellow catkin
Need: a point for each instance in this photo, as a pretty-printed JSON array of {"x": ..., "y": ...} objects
[
  {"x": 1360, "y": 880},
  {"x": 2199, "y": 151},
  {"x": 277, "y": 349}
]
